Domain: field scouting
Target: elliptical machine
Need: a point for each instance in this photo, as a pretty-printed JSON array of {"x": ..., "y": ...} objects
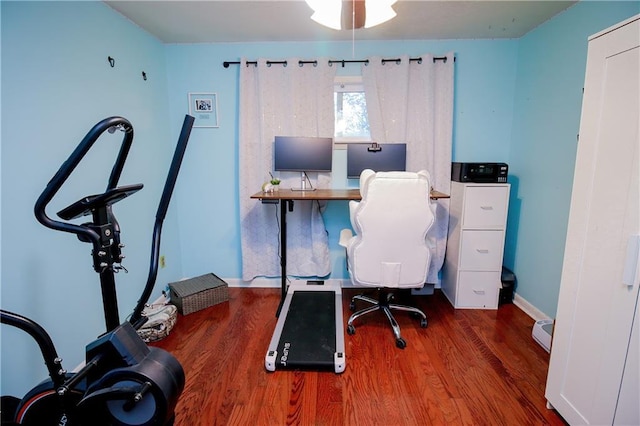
[{"x": 123, "y": 382}]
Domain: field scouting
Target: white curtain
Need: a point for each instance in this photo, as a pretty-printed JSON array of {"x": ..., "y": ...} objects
[
  {"x": 412, "y": 102},
  {"x": 278, "y": 100}
]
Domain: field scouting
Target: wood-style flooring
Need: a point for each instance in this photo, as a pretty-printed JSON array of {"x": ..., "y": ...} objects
[{"x": 468, "y": 367}]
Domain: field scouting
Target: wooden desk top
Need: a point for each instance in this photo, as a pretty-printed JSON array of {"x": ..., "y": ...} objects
[{"x": 323, "y": 194}]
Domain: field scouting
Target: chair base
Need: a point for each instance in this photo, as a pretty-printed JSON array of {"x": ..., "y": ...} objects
[{"x": 383, "y": 304}]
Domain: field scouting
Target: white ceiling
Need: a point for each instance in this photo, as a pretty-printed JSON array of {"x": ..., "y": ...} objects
[{"x": 213, "y": 21}]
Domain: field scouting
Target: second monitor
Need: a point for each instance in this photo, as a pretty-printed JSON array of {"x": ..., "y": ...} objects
[{"x": 384, "y": 157}]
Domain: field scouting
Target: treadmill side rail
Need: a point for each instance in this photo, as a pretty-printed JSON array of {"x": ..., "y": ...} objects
[{"x": 340, "y": 360}]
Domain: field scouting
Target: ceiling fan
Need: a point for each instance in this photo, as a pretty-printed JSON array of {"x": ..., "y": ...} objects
[{"x": 351, "y": 14}]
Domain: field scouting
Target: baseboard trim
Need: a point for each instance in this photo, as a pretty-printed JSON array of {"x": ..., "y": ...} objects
[
  {"x": 264, "y": 282},
  {"x": 255, "y": 283},
  {"x": 524, "y": 305}
]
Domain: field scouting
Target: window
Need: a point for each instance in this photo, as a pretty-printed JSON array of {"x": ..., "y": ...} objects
[{"x": 350, "y": 107}]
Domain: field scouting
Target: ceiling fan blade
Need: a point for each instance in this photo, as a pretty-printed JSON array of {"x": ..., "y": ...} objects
[{"x": 354, "y": 14}]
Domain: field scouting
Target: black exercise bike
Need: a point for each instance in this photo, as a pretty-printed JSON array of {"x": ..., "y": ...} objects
[{"x": 123, "y": 381}]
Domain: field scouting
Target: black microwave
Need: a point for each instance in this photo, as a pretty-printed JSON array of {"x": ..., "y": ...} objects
[{"x": 479, "y": 172}]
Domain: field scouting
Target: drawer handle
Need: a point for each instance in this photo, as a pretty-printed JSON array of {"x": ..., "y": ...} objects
[
  {"x": 481, "y": 292},
  {"x": 483, "y": 251},
  {"x": 486, "y": 207}
]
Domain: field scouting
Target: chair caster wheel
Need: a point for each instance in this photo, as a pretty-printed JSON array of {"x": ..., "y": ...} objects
[
  {"x": 352, "y": 305},
  {"x": 401, "y": 343},
  {"x": 423, "y": 323},
  {"x": 351, "y": 330}
]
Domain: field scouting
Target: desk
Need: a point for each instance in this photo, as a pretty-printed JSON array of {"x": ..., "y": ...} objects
[{"x": 286, "y": 197}]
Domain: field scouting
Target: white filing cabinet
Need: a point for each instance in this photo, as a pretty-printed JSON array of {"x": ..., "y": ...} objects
[{"x": 475, "y": 245}]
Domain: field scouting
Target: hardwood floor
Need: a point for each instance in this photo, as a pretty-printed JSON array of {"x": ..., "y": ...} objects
[{"x": 470, "y": 367}]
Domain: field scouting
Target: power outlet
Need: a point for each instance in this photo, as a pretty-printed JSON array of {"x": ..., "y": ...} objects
[{"x": 163, "y": 262}]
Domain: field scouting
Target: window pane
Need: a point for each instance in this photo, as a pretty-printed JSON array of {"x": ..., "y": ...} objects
[{"x": 351, "y": 115}]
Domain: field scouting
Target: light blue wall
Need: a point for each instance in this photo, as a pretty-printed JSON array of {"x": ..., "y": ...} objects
[
  {"x": 551, "y": 64},
  {"x": 56, "y": 84},
  {"x": 210, "y": 233},
  {"x": 516, "y": 101}
]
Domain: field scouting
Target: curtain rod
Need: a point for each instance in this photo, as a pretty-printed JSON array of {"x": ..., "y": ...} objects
[{"x": 335, "y": 61}]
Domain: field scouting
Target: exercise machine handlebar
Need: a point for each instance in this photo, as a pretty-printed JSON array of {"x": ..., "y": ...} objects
[
  {"x": 108, "y": 124},
  {"x": 136, "y": 318},
  {"x": 104, "y": 232}
]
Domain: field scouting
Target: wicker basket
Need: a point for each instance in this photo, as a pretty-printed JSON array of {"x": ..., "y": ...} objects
[{"x": 197, "y": 293}]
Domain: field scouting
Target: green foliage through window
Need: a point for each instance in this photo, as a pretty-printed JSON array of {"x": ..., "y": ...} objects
[{"x": 350, "y": 106}]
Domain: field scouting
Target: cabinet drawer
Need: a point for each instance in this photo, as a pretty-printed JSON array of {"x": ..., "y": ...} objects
[
  {"x": 485, "y": 206},
  {"x": 478, "y": 290},
  {"x": 481, "y": 250}
]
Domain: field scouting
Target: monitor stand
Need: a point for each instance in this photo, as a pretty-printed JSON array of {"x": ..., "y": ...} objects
[{"x": 303, "y": 184}]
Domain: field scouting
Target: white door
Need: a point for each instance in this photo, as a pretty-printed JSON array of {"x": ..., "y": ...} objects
[{"x": 595, "y": 307}]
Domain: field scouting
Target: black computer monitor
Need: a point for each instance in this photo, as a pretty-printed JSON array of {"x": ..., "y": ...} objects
[
  {"x": 302, "y": 154},
  {"x": 384, "y": 157}
]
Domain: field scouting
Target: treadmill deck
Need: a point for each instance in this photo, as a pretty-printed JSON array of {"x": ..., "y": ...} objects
[{"x": 309, "y": 332}]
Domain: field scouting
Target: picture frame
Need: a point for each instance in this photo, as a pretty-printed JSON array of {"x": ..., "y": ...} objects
[{"x": 204, "y": 108}]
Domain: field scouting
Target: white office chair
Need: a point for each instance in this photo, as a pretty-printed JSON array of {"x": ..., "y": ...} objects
[{"x": 390, "y": 249}]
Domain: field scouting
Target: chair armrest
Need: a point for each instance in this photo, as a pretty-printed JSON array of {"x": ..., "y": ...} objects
[
  {"x": 345, "y": 236},
  {"x": 352, "y": 210}
]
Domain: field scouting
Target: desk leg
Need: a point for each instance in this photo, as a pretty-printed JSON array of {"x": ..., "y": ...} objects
[{"x": 284, "y": 205}]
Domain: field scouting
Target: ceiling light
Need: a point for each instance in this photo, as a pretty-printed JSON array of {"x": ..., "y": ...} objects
[{"x": 350, "y": 14}]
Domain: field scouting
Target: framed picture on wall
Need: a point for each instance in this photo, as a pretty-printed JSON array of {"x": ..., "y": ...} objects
[{"x": 204, "y": 107}]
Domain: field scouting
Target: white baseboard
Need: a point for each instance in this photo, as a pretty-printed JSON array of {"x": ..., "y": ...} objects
[
  {"x": 528, "y": 308},
  {"x": 264, "y": 282},
  {"x": 255, "y": 283}
]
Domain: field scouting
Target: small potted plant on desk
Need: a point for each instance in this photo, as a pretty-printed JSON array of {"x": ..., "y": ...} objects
[
  {"x": 275, "y": 184},
  {"x": 272, "y": 186}
]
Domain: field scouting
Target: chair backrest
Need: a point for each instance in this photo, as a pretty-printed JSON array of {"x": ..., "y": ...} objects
[{"x": 391, "y": 222}]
